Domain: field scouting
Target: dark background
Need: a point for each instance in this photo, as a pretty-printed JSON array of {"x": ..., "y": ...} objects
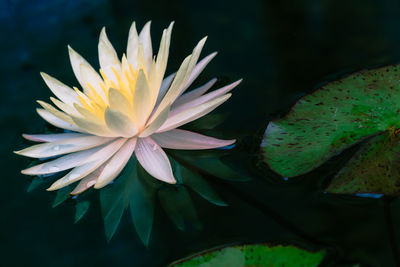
[{"x": 282, "y": 49}]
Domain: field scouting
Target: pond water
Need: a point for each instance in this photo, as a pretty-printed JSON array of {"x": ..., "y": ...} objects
[{"x": 281, "y": 49}]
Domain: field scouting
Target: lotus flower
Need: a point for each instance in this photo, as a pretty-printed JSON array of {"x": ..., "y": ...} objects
[{"x": 128, "y": 108}]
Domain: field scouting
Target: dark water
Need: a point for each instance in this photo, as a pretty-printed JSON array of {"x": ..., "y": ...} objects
[{"x": 282, "y": 49}]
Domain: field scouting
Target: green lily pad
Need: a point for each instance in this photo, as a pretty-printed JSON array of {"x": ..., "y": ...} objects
[
  {"x": 335, "y": 117},
  {"x": 373, "y": 169},
  {"x": 254, "y": 255}
]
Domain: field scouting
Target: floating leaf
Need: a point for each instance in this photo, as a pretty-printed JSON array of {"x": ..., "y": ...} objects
[
  {"x": 254, "y": 255},
  {"x": 374, "y": 168},
  {"x": 335, "y": 117},
  {"x": 80, "y": 210},
  {"x": 178, "y": 205},
  {"x": 62, "y": 195}
]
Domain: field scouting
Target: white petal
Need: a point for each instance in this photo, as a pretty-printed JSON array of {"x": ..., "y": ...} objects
[
  {"x": 198, "y": 69},
  {"x": 59, "y": 114},
  {"x": 63, "y": 146},
  {"x": 61, "y": 164},
  {"x": 181, "y": 139},
  {"x": 156, "y": 123},
  {"x": 91, "y": 164},
  {"x": 145, "y": 39},
  {"x": 52, "y": 137},
  {"x": 179, "y": 79},
  {"x": 93, "y": 79},
  {"x": 88, "y": 115},
  {"x": 182, "y": 76},
  {"x": 142, "y": 100},
  {"x": 116, "y": 164},
  {"x": 108, "y": 57},
  {"x": 192, "y": 113},
  {"x": 154, "y": 160},
  {"x": 133, "y": 45},
  {"x": 193, "y": 94},
  {"x": 53, "y": 120},
  {"x": 205, "y": 98},
  {"x": 76, "y": 62},
  {"x": 117, "y": 101},
  {"x": 166, "y": 83},
  {"x": 70, "y": 110},
  {"x": 93, "y": 127},
  {"x": 63, "y": 92},
  {"x": 86, "y": 182},
  {"x": 119, "y": 123},
  {"x": 157, "y": 71}
]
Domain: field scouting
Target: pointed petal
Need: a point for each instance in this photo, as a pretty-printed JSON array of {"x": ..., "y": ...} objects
[
  {"x": 117, "y": 101},
  {"x": 193, "y": 94},
  {"x": 192, "y": 113},
  {"x": 142, "y": 100},
  {"x": 205, "y": 98},
  {"x": 198, "y": 69},
  {"x": 52, "y": 137},
  {"x": 108, "y": 57},
  {"x": 92, "y": 78},
  {"x": 76, "y": 62},
  {"x": 65, "y": 107},
  {"x": 91, "y": 164},
  {"x": 93, "y": 127},
  {"x": 88, "y": 115},
  {"x": 133, "y": 45},
  {"x": 182, "y": 139},
  {"x": 63, "y": 146},
  {"x": 61, "y": 164},
  {"x": 87, "y": 182},
  {"x": 120, "y": 123},
  {"x": 145, "y": 39},
  {"x": 53, "y": 120},
  {"x": 116, "y": 164},
  {"x": 182, "y": 76},
  {"x": 179, "y": 79},
  {"x": 154, "y": 160},
  {"x": 166, "y": 83},
  {"x": 60, "y": 90},
  {"x": 59, "y": 114},
  {"x": 157, "y": 71},
  {"x": 156, "y": 123}
]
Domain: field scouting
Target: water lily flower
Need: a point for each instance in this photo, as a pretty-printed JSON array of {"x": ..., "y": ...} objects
[{"x": 129, "y": 107}]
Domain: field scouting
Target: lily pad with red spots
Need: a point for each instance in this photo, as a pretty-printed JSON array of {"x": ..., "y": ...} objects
[{"x": 364, "y": 106}]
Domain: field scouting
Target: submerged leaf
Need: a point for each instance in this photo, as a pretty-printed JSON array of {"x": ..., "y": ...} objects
[
  {"x": 198, "y": 184},
  {"x": 254, "y": 255},
  {"x": 335, "y": 117},
  {"x": 178, "y": 205},
  {"x": 114, "y": 198},
  {"x": 80, "y": 210},
  {"x": 142, "y": 204},
  {"x": 210, "y": 163},
  {"x": 62, "y": 195},
  {"x": 35, "y": 183}
]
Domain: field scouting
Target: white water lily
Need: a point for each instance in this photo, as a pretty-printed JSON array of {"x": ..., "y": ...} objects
[{"x": 128, "y": 108}]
